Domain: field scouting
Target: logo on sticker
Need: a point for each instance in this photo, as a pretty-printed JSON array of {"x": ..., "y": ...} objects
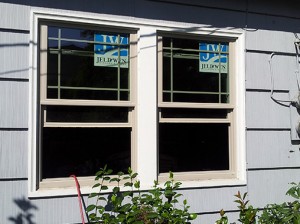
[
  {"x": 215, "y": 59},
  {"x": 112, "y": 52}
]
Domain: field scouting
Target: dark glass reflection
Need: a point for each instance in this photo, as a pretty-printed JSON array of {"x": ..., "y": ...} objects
[
  {"x": 73, "y": 72},
  {"x": 82, "y": 151},
  {"x": 193, "y": 113},
  {"x": 186, "y": 78},
  {"x": 187, "y": 147},
  {"x": 86, "y": 114}
]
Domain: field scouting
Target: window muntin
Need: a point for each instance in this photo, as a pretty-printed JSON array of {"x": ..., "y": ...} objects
[
  {"x": 185, "y": 78},
  {"x": 72, "y": 73},
  {"x": 86, "y": 110},
  {"x": 196, "y": 107}
]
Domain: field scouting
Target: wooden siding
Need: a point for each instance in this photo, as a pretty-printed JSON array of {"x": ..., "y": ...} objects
[
  {"x": 270, "y": 149},
  {"x": 258, "y": 75},
  {"x": 14, "y": 16},
  {"x": 204, "y": 200},
  {"x": 263, "y": 112},
  {"x": 14, "y": 55},
  {"x": 270, "y": 186},
  {"x": 14, "y": 106},
  {"x": 13, "y": 154}
]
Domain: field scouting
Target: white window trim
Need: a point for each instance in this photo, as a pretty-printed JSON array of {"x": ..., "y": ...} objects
[{"x": 146, "y": 112}]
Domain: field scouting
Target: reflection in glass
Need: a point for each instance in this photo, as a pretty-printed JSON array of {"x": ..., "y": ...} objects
[
  {"x": 82, "y": 151},
  {"x": 82, "y": 66},
  {"x": 187, "y": 147},
  {"x": 84, "y": 114},
  {"x": 195, "y": 71}
]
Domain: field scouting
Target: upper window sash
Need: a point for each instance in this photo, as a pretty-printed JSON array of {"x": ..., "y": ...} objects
[
  {"x": 175, "y": 51},
  {"x": 130, "y": 46}
]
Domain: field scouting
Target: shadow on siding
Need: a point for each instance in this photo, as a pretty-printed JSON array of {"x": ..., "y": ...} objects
[{"x": 25, "y": 216}]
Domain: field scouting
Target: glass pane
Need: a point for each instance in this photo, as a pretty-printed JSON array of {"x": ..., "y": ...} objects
[
  {"x": 87, "y": 64},
  {"x": 83, "y": 151},
  {"x": 86, "y": 114},
  {"x": 188, "y": 78},
  {"x": 203, "y": 98},
  {"x": 192, "y": 68},
  {"x": 52, "y": 77},
  {"x": 193, "y": 113},
  {"x": 187, "y": 147}
]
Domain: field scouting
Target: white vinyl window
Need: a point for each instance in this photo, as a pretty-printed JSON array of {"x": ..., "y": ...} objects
[
  {"x": 196, "y": 106},
  {"x": 86, "y": 100}
]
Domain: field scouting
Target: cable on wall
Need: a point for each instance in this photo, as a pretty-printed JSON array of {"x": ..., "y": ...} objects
[{"x": 291, "y": 102}]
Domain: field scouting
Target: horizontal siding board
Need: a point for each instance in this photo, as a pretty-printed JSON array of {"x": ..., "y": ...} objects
[
  {"x": 13, "y": 104},
  {"x": 112, "y": 7},
  {"x": 58, "y": 210},
  {"x": 43, "y": 210},
  {"x": 271, "y": 33},
  {"x": 12, "y": 193},
  {"x": 13, "y": 154},
  {"x": 14, "y": 55},
  {"x": 202, "y": 17},
  {"x": 14, "y": 16},
  {"x": 272, "y": 41},
  {"x": 263, "y": 112},
  {"x": 280, "y": 8},
  {"x": 270, "y": 22},
  {"x": 211, "y": 199},
  {"x": 229, "y": 5},
  {"x": 258, "y": 75},
  {"x": 268, "y": 149},
  {"x": 270, "y": 186}
]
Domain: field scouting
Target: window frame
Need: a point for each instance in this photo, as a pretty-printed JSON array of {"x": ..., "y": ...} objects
[
  {"x": 144, "y": 140},
  {"x": 232, "y": 173},
  {"x": 43, "y": 101}
]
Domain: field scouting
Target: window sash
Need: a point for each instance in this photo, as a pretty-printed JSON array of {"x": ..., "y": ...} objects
[
  {"x": 44, "y": 101},
  {"x": 43, "y": 71},
  {"x": 202, "y": 175},
  {"x": 231, "y": 79}
]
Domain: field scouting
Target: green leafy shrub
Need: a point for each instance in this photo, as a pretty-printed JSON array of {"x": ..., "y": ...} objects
[
  {"x": 156, "y": 206},
  {"x": 285, "y": 213}
]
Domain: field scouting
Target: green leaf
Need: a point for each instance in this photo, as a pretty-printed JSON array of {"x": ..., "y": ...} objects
[
  {"x": 93, "y": 195},
  {"x": 120, "y": 173},
  {"x": 152, "y": 215},
  {"x": 99, "y": 173},
  {"x": 114, "y": 180},
  {"x": 90, "y": 208},
  {"x": 104, "y": 188},
  {"x": 137, "y": 184},
  {"x": 134, "y": 175},
  {"x": 109, "y": 172},
  {"x": 128, "y": 184},
  {"x": 102, "y": 199},
  {"x": 106, "y": 178},
  {"x": 96, "y": 185},
  {"x": 116, "y": 190}
]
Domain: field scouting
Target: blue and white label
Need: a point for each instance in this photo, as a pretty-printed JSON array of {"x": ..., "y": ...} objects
[
  {"x": 107, "y": 53},
  {"x": 213, "y": 62}
]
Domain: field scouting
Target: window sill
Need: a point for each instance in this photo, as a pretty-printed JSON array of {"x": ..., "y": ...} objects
[{"x": 86, "y": 190}]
